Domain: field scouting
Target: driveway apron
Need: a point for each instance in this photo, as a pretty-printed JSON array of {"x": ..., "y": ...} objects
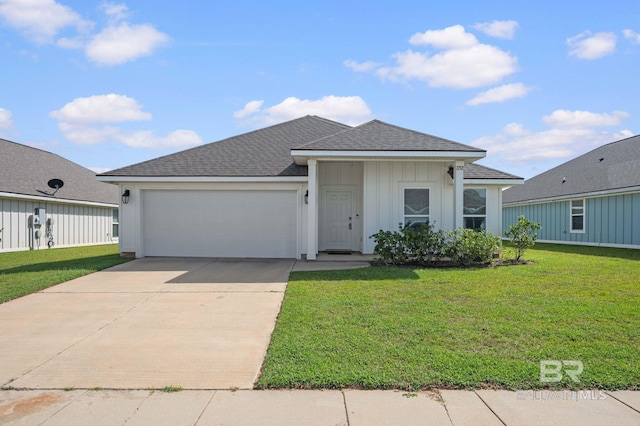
[{"x": 195, "y": 323}]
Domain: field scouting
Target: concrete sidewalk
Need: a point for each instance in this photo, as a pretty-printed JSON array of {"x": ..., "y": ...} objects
[{"x": 296, "y": 407}]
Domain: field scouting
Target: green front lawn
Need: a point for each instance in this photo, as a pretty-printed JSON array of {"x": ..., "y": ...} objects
[
  {"x": 25, "y": 272},
  {"x": 457, "y": 328}
]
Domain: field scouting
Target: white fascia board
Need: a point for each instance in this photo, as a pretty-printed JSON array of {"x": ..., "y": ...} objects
[
  {"x": 604, "y": 193},
  {"x": 501, "y": 182},
  {"x": 119, "y": 179},
  {"x": 301, "y": 156},
  {"x": 55, "y": 200}
]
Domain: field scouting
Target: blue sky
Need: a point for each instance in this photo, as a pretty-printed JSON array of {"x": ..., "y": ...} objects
[{"x": 111, "y": 84}]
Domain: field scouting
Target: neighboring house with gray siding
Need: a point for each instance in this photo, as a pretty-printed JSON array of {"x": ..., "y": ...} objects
[
  {"x": 301, "y": 187},
  {"x": 81, "y": 212},
  {"x": 593, "y": 199}
]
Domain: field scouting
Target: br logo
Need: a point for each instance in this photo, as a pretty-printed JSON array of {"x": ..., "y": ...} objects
[{"x": 551, "y": 370}]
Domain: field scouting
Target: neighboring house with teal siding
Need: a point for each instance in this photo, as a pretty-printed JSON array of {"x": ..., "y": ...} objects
[{"x": 593, "y": 199}]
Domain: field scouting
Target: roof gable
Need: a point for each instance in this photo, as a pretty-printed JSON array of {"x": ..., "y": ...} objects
[
  {"x": 26, "y": 170},
  {"x": 260, "y": 153},
  {"x": 610, "y": 167},
  {"x": 380, "y": 136}
]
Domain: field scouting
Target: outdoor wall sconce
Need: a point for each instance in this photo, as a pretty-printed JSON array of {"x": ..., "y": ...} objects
[
  {"x": 125, "y": 196},
  {"x": 306, "y": 197}
]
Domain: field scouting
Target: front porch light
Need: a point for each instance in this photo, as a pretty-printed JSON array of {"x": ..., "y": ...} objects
[{"x": 450, "y": 172}]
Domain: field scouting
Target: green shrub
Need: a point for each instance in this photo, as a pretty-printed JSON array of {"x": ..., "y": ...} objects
[
  {"x": 467, "y": 247},
  {"x": 522, "y": 235},
  {"x": 391, "y": 247},
  {"x": 426, "y": 246}
]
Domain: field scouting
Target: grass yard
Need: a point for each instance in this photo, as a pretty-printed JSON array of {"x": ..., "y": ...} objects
[
  {"x": 454, "y": 328},
  {"x": 25, "y": 272}
]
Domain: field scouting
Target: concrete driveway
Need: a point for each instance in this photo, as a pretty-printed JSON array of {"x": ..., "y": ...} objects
[{"x": 150, "y": 323}]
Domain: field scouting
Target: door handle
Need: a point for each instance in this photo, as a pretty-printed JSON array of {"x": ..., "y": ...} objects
[{"x": 349, "y": 225}]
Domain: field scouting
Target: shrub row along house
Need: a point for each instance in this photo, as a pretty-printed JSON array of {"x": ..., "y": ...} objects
[
  {"x": 34, "y": 214},
  {"x": 593, "y": 199},
  {"x": 301, "y": 187}
]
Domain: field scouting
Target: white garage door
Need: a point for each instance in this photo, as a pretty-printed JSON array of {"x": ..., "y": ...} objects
[{"x": 220, "y": 223}]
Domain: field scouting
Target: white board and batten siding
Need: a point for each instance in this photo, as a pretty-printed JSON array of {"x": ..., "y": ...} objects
[
  {"x": 384, "y": 184},
  {"x": 256, "y": 219},
  {"x": 74, "y": 224}
]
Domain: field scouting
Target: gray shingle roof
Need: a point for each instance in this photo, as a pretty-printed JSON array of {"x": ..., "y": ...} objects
[
  {"x": 26, "y": 170},
  {"x": 267, "y": 152},
  {"x": 261, "y": 153},
  {"x": 379, "y": 136},
  {"x": 612, "y": 166},
  {"x": 478, "y": 171}
]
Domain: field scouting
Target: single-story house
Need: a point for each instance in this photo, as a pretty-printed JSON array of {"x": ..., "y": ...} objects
[
  {"x": 301, "y": 187},
  {"x": 593, "y": 199},
  {"x": 48, "y": 201}
]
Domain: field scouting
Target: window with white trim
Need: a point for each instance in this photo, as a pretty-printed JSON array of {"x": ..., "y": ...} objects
[
  {"x": 577, "y": 215},
  {"x": 115, "y": 223},
  {"x": 416, "y": 207},
  {"x": 475, "y": 208}
]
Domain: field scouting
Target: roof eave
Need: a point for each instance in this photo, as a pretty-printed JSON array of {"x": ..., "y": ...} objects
[
  {"x": 301, "y": 156},
  {"x": 4, "y": 194},
  {"x": 500, "y": 182},
  {"x": 187, "y": 179},
  {"x": 574, "y": 196}
]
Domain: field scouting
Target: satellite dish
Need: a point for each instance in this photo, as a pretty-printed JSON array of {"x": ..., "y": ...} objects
[{"x": 55, "y": 184}]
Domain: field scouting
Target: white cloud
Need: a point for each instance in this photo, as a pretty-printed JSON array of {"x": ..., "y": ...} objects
[
  {"x": 462, "y": 63},
  {"x": 89, "y": 121},
  {"x": 71, "y": 42},
  {"x": 570, "y": 133},
  {"x": 250, "y": 108},
  {"x": 563, "y": 118},
  {"x": 98, "y": 170},
  {"x": 475, "y": 66},
  {"x": 116, "y": 45},
  {"x": 632, "y": 35},
  {"x": 5, "y": 119},
  {"x": 148, "y": 139},
  {"x": 115, "y": 12},
  {"x": 499, "y": 29},
  {"x": 500, "y": 94},
  {"x": 41, "y": 20},
  {"x": 345, "y": 109},
  {"x": 361, "y": 66},
  {"x": 109, "y": 108},
  {"x": 453, "y": 37},
  {"x": 587, "y": 46},
  {"x": 84, "y": 134}
]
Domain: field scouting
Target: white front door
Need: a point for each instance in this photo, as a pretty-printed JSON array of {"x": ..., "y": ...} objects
[{"x": 337, "y": 220}]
